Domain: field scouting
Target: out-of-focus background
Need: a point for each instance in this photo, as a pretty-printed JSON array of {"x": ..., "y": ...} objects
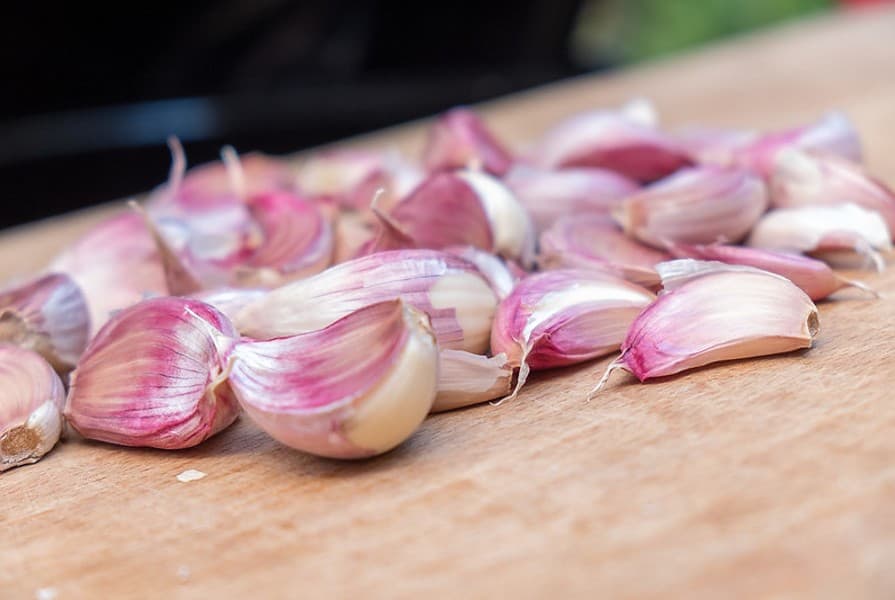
[{"x": 92, "y": 90}]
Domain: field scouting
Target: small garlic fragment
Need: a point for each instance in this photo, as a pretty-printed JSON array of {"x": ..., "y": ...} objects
[
  {"x": 714, "y": 316},
  {"x": 155, "y": 375},
  {"x": 459, "y": 138},
  {"x": 564, "y": 317},
  {"x": 697, "y": 206},
  {"x": 191, "y": 475},
  {"x": 354, "y": 389},
  {"x": 49, "y": 316},
  {"x": 465, "y": 379},
  {"x": 31, "y": 399}
]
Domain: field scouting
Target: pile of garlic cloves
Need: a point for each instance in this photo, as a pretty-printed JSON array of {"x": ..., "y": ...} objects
[{"x": 339, "y": 300}]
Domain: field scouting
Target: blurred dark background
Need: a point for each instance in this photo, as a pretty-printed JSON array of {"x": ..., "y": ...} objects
[{"x": 91, "y": 90}]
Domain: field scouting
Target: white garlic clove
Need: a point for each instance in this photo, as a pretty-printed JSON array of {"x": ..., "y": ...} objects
[
  {"x": 459, "y": 139},
  {"x": 465, "y": 379},
  {"x": 354, "y": 389},
  {"x": 31, "y": 399}
]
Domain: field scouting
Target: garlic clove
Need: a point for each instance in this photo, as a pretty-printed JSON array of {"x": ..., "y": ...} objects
[
  {"x": 31, "y": 399},
  {"x": 465, "y": 379},
  {"x": 718, "y": 316},
  {"x": 500, "y": 276},
  {"x": 697, "y": 206},
  {"x": 801, "y": 178},
  {"x": 452, "y": 291},
  {"x": 841, "y": 231},
  {"x": 814, "y": 277},
  {"x": 596, "y": 242},
  {"x": 354, "y": 389},
  {"x": 564, "y": 317},
  {"x": 48, "y": 315},
  {"x": 547, "y": 195},
  {"x": 458, "y": 139},
  {"x": 155, "y": 375}
]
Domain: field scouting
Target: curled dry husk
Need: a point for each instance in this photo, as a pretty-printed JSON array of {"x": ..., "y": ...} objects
[
  {"x": 459, "y": 139},
  {"x": 696, "y": 206},
  {"x": 596, "y": 242},
  {"x": 31, "y": 399},
  {"x": 465, "y": 379},
  {"x": 813, "y": 276},
  {"x": 49, "y": 316},
  {"x": 354, "y": 389},
  {"x": 548, "y": 195},
  {"x": 451, "y": 290},
  {"x": 803, "y": 178},
  {"x": 624, "y": 140},
  {"x": 155, "y": 375},
  {"x": 839, "y": 234},
  {"x": 564, "y": 317},
  {"x": 716, "y": 315}
]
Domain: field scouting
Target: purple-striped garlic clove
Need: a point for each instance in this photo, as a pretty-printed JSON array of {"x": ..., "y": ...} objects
[
  {"x": 48, "y": 315},
  {"x": 596, "y": 242},
  {"x": 31, "y": 400},
  {"x": 451, "y": 290},
  {"x": 813, "y": 276},
  {"x": 564, "y": 317},
  {"x": 459, "y": 139},
  {"x": 357, "y": 388},
  {"x": 804, "y": 178},
  {"x": 548, "y": 195},
  {"x": 155, "y": 375},
  {"x": 465, "y": 379},
  {"x": 842, "y": 234},
  {"x": 716, "y": 316},
  {"x": 695, "y": 206}
]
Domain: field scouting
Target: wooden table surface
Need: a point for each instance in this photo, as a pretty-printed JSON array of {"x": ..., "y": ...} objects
[{"x": 770, "y": 478}]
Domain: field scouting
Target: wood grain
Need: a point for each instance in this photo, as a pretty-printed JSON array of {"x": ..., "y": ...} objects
[{"x": 768, "y": 478}]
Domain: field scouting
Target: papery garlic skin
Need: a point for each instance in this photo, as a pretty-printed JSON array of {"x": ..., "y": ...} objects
[
  {"x": 699, "y": 205},
  {"x": 31, "y": 399},
  {"x": 155, "y": 375},
  {"x": 354, "y": 389},
  {"x": 48, "y": 315},
  {"x": 455, "y": 295},
  {"x": 459, "y": 139},
  {"x": 466, "y": 379}
]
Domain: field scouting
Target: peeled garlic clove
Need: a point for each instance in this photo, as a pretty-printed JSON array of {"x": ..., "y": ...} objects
[
  {"x": 31, "y": 399},
  {"x": 354, "y": 389},
  {"x": 155, "y": 375},
  {"x": 547, "y": 195},
  {"x": 814, "y": 277},
  {"x": 695, "y": 206},
  {"x": 564, "y": 317},
  {"x": 465, "y": 379},
  {"x": 624, "y": 141},
  {"x": 49, "y": 316},
  {"x": 459, "y": 139},
  {"x": 724, "y": 315},
  {"x": 828, "y": 232},
  {"x": 802, "y": 178},
  {"x": 229, "y": 301},
  {"x": 115, "y": 264},
  {"x": 452, "y": 291},
  {"x": 596, "y": 242}
]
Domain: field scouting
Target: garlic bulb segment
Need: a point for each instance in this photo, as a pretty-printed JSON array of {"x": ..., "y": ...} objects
[
  {"x": 354, "y": 389},
  {"x": 813, "y": 276},
  {"x": 803, "y": 178},
  {"x": 48, "y": 315},
  {"x": 459, "y": 139},
  {"x": 695, "y": 206},
  {"x": 596, "y": 242},
  {"x": 564, "y": 317},
  {"x": 31, "y": 399},
  {"x": 718, "y": 316},
  {"x": 838, "y": 234},
  {"x": 548, "y": 195},
  {"x": 116, "y": 264},
  {"x": 451, "y": 290},
  {"x": 465, "y": 379},
  {"x": 625, "y": 141},
  {"x": 155, "y": 375}
]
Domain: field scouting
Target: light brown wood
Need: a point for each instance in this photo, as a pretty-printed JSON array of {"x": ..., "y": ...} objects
[{"x": 768, "y": 478}]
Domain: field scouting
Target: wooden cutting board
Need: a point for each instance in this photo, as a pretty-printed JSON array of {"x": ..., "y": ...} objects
[{"x": 762, "y": 478}]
